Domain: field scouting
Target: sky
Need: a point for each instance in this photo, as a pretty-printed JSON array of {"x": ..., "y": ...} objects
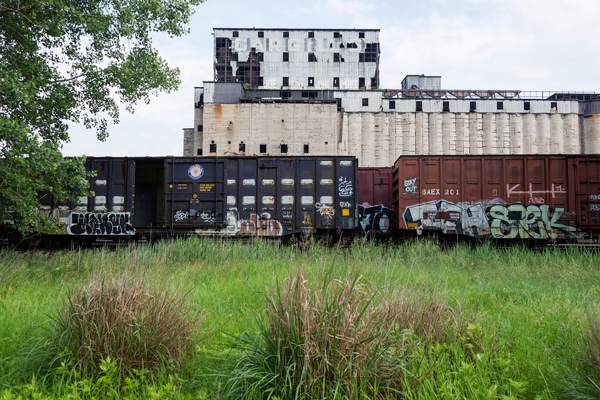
[{"x": 530, "y": 45}]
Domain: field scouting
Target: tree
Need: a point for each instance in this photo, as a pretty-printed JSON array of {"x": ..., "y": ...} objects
[{"x": 68, "y": 61}]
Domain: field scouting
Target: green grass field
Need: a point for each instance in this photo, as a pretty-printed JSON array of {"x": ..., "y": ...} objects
[{"x": 457, "y": 323}]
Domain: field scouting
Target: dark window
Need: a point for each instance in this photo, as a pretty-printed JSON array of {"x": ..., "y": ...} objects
[
  {"x": 473, "y": 106},
  {"x": 309, "y": 94},
  {"x": 336, "y": 82},
  {"x": 260, "y": 81},
  {"x": 419, "y": 106},
  {"x": 374, "y": 83},
  {"x": 286, "y": 56},
  {"x": 261, "y": 56},
  {"x": 336, "y": 57},
  {"x": 263, "y": 148},
  {"x": 361, "y": 35},
  {"x": 199, "y": 152},
  {"x": 286, "y": 81},
  {"x": 306, "y": 149},
  {"x": 361, "y": 57},
  {"x": 336, "y": 35},
  {"x": 499, "y": 105},
  {"x": 365, "y": 102},
  {"x": 371, "y": 52},
  {"x": 242, "y": 147},
  {"x": 284, "y": 148},
  {"x": 311, "y": 81},
  {"x": 311, "y": 34},
  {"x": 392, "y": 105},
  {"x": 236, "y": 34},
  {"x": 553, "y": 105},
  {"x": 312, "y": 57},
  {"x": 527, "y": 106},
  {"x": 361, "y": 83},
  {"x": 286, "y": 34},
  {"x": 285, "y": 94},
  {"x": 446, "y": 106},
  {"x": 222, "y": 42},
  {"x": 200, "y": 128},
  {"x": 213, "y": 148},
  {"x": 261, "y": 34}
]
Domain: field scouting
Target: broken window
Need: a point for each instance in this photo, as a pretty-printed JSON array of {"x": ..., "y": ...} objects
[
  {"x": 305, "y": 148},
  {"x": 213, "y": 147},
  {"x": 284, "y": 148},
  {"x": 527, "y": 106},
  {"x": 365, "y": 102},
  {"x": 499, "y": 105},
  {"x": 200, "y": 128},
  {"x": 311, "y": 34},
  {"x": 372, "y": 52},
  {"x": 419, "y": 106},
  {"x": 235, "y": 34},
  {"x": 392, "y": 105},
  {"x": 361, "y": 57},
  {"x": 361, "y": 83},
  {"x": 311, "y": 81},
  {"x": 222, "y": 42},
  {"x": 286, "y": 81},
  {"x": 286, "y": 34},
  {"x": 286, "y": 56},
  {"x": 260, "y": 81},
  {"x": 374, "y": 82},
  {"x": 553, "y": 105},
  {"x": 446, "y": 106},
  {"x": 261, "y": 34},
  {"x": 263, "y": 148},
  {"x": 336, "y": 35},
  {"x": 473, "y": 106},
  {"x": 361, "y": 35},
  {"x": 312, "y": 57},
  {"x": 261, "y": 56},
  {"x": 336, "y": 82},
  {"x": 336, "y": 57},
  {"x": 199, "y": 152},
  {"x": 242, "y": 147},
  {"x": 309, "y": 94}
]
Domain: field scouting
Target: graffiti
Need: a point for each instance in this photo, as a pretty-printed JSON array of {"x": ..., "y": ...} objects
[
  {"x": 100, "y": 224},
  {"x": 325, "y": 210},
  {"x": 594, "y": 196},
  {"x": 181, "y": 216},
  {"x": 262, "y": 225},
  {"x": 345, "y": 204},
  {"x": 232, "y": 220},
  {"x": 344, "y": 187},
  {"x": 374, "y": 217},
  {"x": 594, "y": 207},
  {"x": 208, "y": 217},
  {"x": 306, "y": 220},
  {"x": 528, "y": 221},
  {"x": 533, "y": 195},
  {"x": 410, "y": 186},
  {"x": 450, "y": 218}
]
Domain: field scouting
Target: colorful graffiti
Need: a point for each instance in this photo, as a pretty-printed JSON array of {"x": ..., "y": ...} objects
[
  {"x": 449, "y": 217},
  {"x": 86, "y": 223},
  {"x": 374, "y": 217},
  {"x": 528, "y": 221}
]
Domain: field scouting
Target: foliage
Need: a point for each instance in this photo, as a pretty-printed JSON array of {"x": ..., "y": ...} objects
[
  {"x": 128, "y": 320},
  {"x": 65, "y": 61}
]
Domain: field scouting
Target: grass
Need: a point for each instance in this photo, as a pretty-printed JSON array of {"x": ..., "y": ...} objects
[{"x": 516, "y": 323}]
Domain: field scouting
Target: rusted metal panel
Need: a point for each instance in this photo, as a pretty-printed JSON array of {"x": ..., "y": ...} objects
[
  {"x": 375, "y": 199},
  {"x": 504, "y": 197}
]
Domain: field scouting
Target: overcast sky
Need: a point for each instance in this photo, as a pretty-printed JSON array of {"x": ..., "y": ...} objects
[{"x": 545, "y": 45}]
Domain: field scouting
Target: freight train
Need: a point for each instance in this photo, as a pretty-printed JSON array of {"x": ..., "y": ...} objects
[{"x": 535, "y": 197}]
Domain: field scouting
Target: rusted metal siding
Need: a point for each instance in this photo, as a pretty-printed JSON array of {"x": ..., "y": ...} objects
[
  {"x": 510, "y": 197},
  {"x": 375, "y": 211}
]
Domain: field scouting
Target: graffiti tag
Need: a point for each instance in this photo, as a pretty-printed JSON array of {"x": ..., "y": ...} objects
[
  {"x": 85, "y": 223},
  {"x": 344, "y": 187},
  {"x": 207, "y": 217},
  {"x": 450, "y": 218},
  {"x": 533, "y": 195},
  {"x": 181, "y": 215},
  {"x": 262, "y": 225},
  {"x": 594, "y": 196},
  {"x": 594, "y": 207},
  {"x": 528, "y": 221},
  {"x": 325, "y": 210},
  {"x": 410, "y": 186},
  {"x": 374, "y": 217},
  {"x": 345, "y": 204}
]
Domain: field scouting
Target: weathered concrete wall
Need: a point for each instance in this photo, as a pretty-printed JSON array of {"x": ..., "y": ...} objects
[{"x": 379, "y": 138}]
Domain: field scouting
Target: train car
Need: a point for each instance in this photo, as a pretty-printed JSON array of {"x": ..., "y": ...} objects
[
  {"x": 226, "y": 196},
  {"x": 504, "y": 197}
]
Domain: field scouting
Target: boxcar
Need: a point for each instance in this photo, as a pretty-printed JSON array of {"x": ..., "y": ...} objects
[{"x": 504, "y": 197}]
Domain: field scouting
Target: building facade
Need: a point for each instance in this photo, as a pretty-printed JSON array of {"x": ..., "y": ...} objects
[{"x": 316, "y": 92}]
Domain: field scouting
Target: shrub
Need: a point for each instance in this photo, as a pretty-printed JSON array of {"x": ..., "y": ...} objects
[
  {"x": 340, "y": 336},
  {"x": 127, "y": 320}
]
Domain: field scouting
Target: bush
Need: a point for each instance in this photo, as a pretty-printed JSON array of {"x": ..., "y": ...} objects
[
  {"x": 341, "y": 336},
  {"x": 127, "y": 320}
]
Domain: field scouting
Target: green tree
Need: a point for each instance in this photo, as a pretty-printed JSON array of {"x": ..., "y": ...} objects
[{"x": 72, "y": 61}]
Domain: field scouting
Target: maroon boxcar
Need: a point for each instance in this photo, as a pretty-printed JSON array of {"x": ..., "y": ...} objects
[
  {"x": 375, "y": 212},
  {"x": 505, "y": 197}
]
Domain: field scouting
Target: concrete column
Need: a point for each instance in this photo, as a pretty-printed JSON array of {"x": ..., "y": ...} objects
[
  {"x": 448, "y": 133},
  {"x": 489, "y": 134},
  {"x": 516, "y": 134},
  {"x": 435, "y": 133},
  {"x": 503, "y": 133},
  {"x": 573, "y": 134},
  {"x": 591, "y": 134},
  {"x": 420, "y": 139},
  {"x": 529, "y": 135},
  {"x": 557, "y": 134},
  {"x": 543, "y": 133}
]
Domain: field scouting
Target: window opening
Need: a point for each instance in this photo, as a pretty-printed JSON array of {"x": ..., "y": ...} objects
[
  {"x": 311, "y": 81},
  {"x": 286, "y": 56},
  {"x": 527, "y": 106},
  {"x": 263, "y": 148},
  {"x": 336, "y": 82},
  {"x": 312, "y": 57},
  {"x": 284, "y": 148},
  {"x": 242, "y": 147},
  {"x": 286, "y": 81},
  {"x": 419, "y": 106},
  {"x": 446, "y": 106},
  {"x": 365, "y": 102},
  {"x": 392, "y": 105},
  {"x": 305, "y": 148}
]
